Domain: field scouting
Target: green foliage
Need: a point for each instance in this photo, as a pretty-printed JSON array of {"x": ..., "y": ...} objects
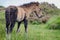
[
  {"x": 54, "y": 23},
  {"x": 35, "y": 22}
]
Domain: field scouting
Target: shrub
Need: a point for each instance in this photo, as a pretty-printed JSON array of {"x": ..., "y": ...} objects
[{"x": 54, "y": 23}]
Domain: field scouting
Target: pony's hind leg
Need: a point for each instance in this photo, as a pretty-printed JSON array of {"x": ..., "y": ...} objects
[
  {"x": 10, "y": 30},
  {"x": 7, "y": 27},
  {"x": 25, "y": 24},
  {"x": 7, "y": 30},
  {"x": 11, "y": 26},
  {"x": 19, "y": 23}
]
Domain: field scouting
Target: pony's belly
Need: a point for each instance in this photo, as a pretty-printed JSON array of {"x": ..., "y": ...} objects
[{"x": 19, "y": 19}]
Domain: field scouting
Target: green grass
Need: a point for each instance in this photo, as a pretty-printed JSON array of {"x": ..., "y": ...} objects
[{"x": 35, "y": 32}]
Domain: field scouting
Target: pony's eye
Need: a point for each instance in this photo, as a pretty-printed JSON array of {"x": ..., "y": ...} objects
[{"x": 40, "y": 9}]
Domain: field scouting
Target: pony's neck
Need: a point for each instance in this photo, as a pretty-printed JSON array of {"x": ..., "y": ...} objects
[{"x": 31, "y": 8}]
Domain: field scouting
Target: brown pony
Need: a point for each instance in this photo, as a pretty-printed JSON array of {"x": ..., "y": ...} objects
[{"x": 20, "y": 14}]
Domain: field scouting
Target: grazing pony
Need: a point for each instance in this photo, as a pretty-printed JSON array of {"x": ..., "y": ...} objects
[{"x": 20, "y": 14}]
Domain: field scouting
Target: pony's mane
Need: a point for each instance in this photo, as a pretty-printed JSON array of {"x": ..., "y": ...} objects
[{"x": 29, "y": 4}]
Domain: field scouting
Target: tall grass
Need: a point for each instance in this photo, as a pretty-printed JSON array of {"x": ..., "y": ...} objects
[{"x": 35, "y": 32}]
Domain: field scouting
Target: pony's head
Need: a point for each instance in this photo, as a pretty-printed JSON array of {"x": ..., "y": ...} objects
[{"x": 37, "y": 9}]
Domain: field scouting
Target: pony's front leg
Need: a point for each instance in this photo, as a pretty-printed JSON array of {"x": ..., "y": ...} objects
[
  {"x": 25, "y": 24},
  {"x": 19, "y": 23}
]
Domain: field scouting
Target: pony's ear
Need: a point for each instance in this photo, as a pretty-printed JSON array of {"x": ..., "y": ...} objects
[{"x": 37, "y": 3}]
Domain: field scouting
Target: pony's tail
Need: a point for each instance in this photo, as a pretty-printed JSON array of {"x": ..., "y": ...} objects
[{"x": 11, "y": 14}]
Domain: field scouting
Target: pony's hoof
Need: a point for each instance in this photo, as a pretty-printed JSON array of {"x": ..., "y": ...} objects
[
  {"x": 18, "y": 31},
  {"x": 26, "y": 31}
]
